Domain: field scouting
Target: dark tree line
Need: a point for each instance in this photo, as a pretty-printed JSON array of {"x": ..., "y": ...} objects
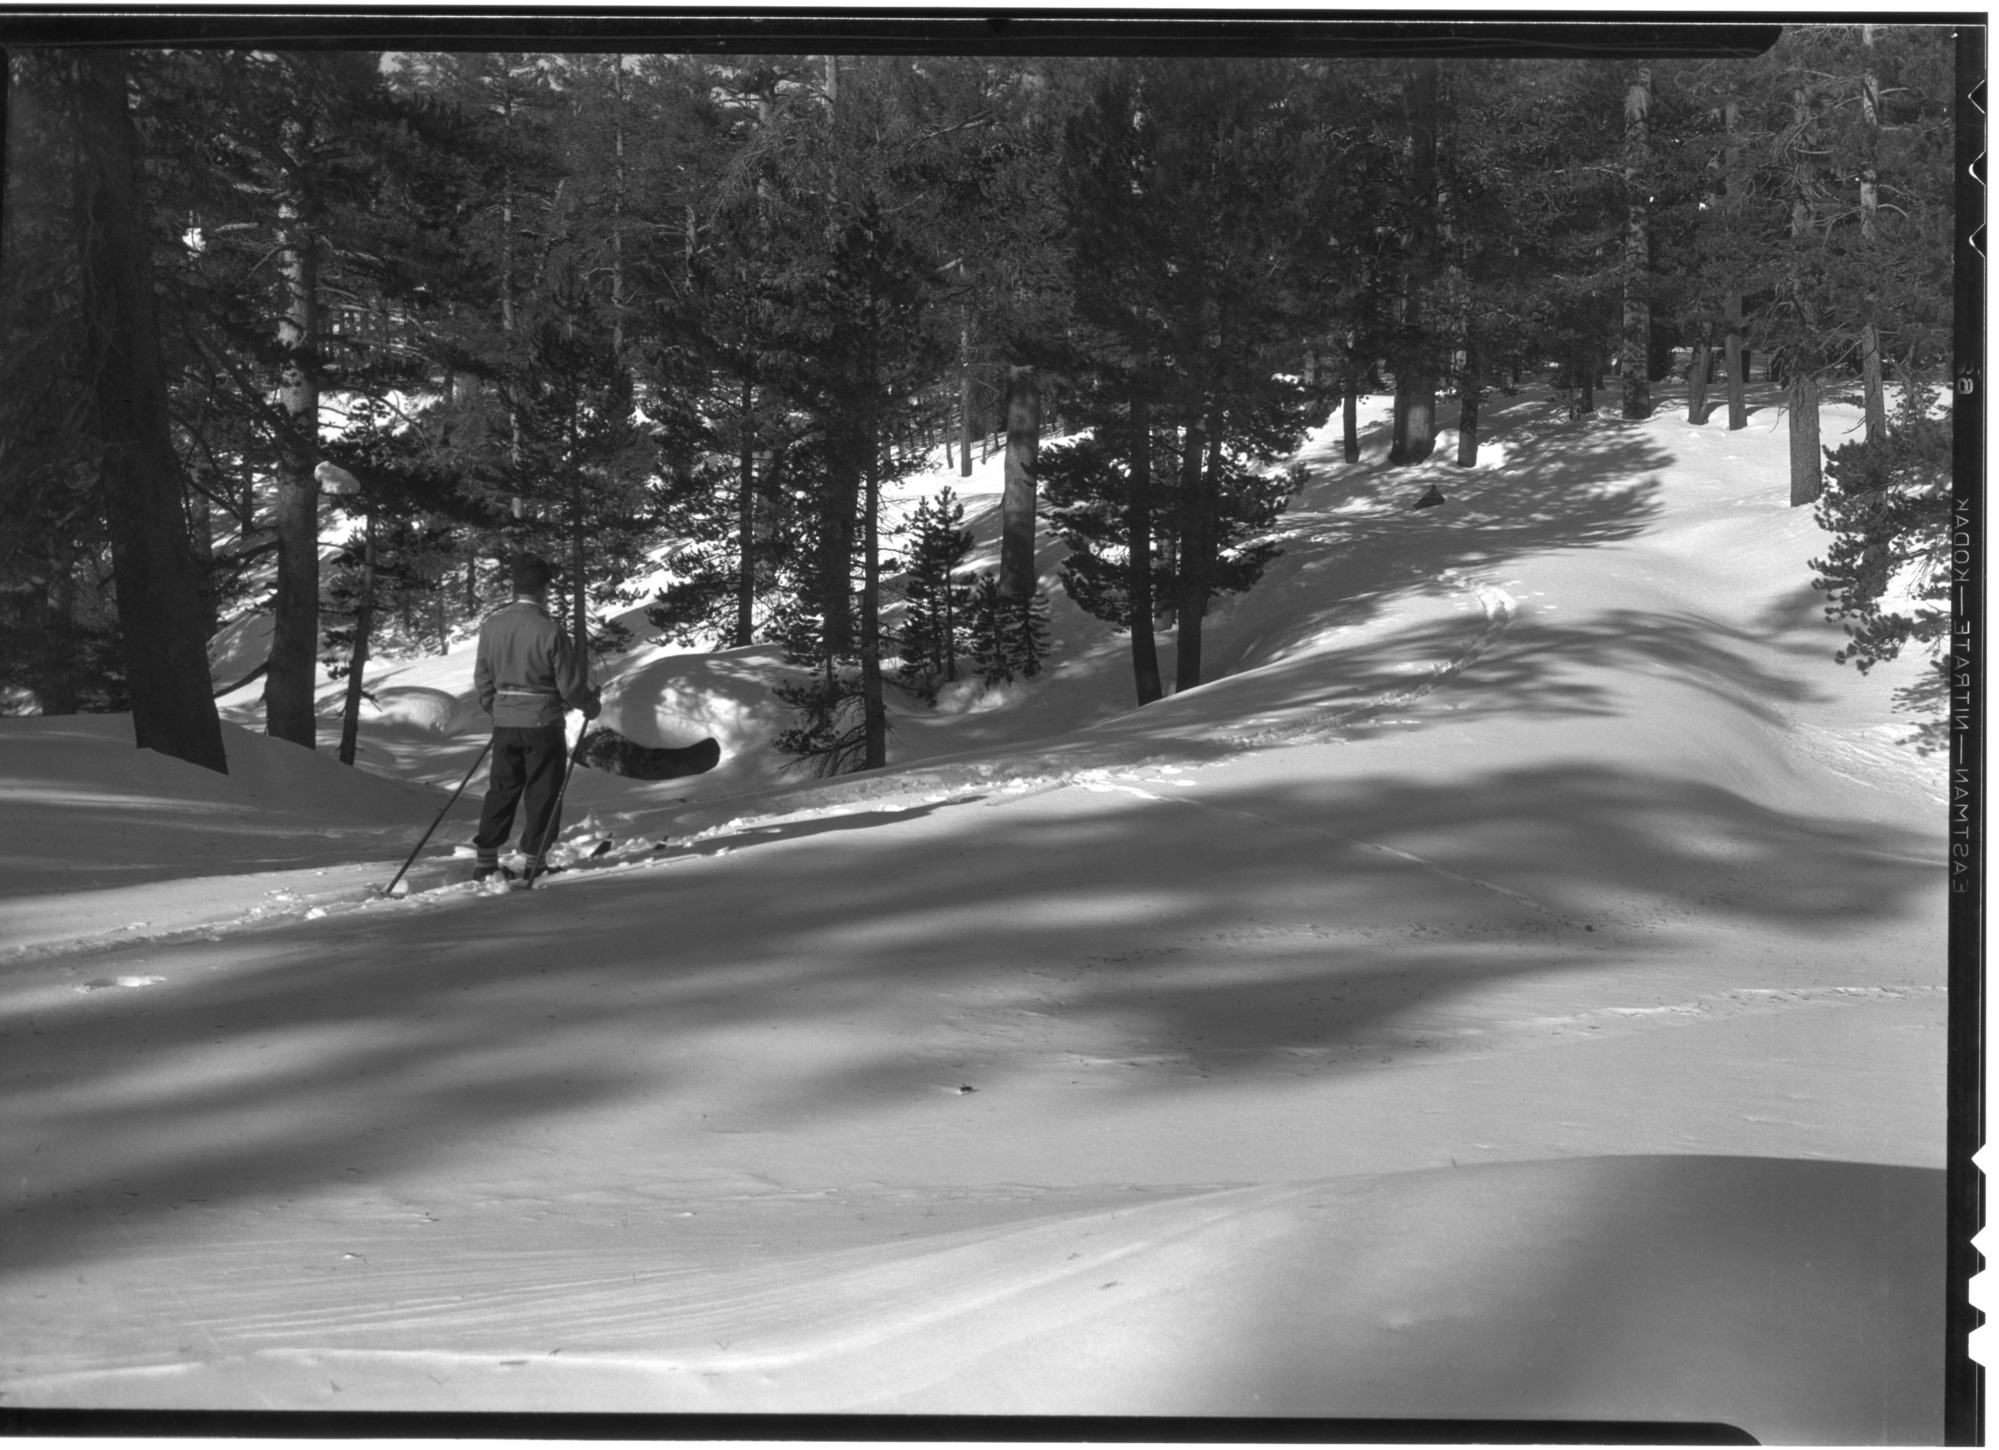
[{"x": 619, "y": 308}]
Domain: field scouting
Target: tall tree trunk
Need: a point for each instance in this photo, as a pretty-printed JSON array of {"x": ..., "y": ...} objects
[
  {"x": 965, "y": 395},
  {"x": 1806, "y": 477},
  {"x": 1873, "y": 406},
  {"x": 835, "y": 565},
  {"x": 1138, "y": 531},
  {"x": 1801, "y": 361},
  {"x": 1350, "y": 415},
  {"x": 1737, "y": 359},
  {"x": 56, "y": 684},
  {"x": 1415, "y": 430},
  {"x": 357, "y": 661},
  {"x": 201, "y": 540},
  {"x": 1468, "y": 391},
  {"x": 1017, "y": 578},
  {"x": 1192, "y": 604},
  {"x": 517, "y": 505},
  {"x": 1635, "y": 367},
  {"x": 159, "y": 604},
  {"x": 746, "y": 527},
  {"x": 874, "y": 716},
  {"x": 289, "y": 683},
  {"x": 1736, "y": 356},
  {"x": 618, "y": 210},
  {"x": 1697, "y": 376},
  {"x": 579, "y": 594}
]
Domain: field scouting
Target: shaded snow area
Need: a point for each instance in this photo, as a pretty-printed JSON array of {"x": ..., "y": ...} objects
[{"x": 1513, "y": 988}]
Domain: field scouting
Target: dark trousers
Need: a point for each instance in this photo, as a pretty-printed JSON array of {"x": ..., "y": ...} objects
[{"x": 527, "y": 770}]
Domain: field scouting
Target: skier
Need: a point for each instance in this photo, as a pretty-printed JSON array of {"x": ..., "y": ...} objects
[{"x": 527, "y": 674}]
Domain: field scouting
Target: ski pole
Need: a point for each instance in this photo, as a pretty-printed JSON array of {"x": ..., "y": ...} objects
[
  {"x": 555, "y": 816},
  {"x": 386, "y": 890}
]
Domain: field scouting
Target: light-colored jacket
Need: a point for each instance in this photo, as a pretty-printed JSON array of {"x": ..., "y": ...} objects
[{"x": 527, "y": 668}]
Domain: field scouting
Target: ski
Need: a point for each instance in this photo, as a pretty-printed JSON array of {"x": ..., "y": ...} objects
[{"x": 502, "y": 885}]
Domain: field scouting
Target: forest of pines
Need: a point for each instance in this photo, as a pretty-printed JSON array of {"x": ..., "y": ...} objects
[{"x": 625, "y": 310}]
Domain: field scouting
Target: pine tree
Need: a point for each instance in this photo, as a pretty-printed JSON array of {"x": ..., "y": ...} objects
[
  {"x": 1887, "y": 575},
  {"x": 166, "y": 660},
  {"x": 1009, "y": 633},
  {"x": 310, "y": 221},
  {"x": 1192, "y": 194},
  {"x": 1823, "y": 271},
  {"x": 936, "y": 617},
  {"x": 59, "y": 640},
  {"x": 864, "y": 176}
]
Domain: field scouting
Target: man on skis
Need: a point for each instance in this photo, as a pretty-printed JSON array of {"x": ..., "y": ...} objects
[{"x": 527, "y": 674}]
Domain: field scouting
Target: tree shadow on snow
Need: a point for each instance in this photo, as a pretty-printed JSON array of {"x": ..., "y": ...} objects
[
  {"x": 396, "y": 1037},
  {"x": 1801, "y": 1301},
  {"x": 1358, "y": 545},
  {"x": 1462, "y": 670}
]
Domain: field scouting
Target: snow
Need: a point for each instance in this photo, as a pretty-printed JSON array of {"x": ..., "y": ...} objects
[{"x": 1513, "y": 988}]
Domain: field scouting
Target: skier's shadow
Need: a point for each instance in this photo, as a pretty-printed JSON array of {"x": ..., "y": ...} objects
[{"x": 755, "y": 835}]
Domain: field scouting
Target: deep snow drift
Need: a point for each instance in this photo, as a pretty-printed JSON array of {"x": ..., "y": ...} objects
[{"x": 1515, "y": 989}]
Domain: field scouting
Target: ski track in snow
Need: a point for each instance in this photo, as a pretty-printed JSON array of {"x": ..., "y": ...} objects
[
  {"x": 1863, "y": 759},
  {"x": 1498, "y": 606}
]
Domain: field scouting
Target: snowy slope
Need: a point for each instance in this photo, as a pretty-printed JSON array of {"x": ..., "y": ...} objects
[{"x": 1514, "y": 989}]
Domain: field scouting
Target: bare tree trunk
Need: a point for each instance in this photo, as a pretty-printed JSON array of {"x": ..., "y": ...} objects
[
  {"x": 874, "y": 717},
  {"x": 1350, "y": 416},
  {"x": 289, "y": 683},
  {"x": 746, "y": 524},
  {"x": 1697, "y": 371},
  {"x": 159, "y": 605},
  {"x": 579, "y": 594},
  {"x": 56, "y": 683},
  {"x": 1017, "y": 577},
  {"x": 201, "y": 540},
  {"x": 357, "y": 662},
  {"x": 1737, "y": 358},
  {"x": 517, "y": 505},
  {"x": 1415, "y": 427},
  {"x": 1193, "y": 592},
  {"x": 1873, "y": 405},
  {"x": 1138, "y": 531},
  {"x": 835, "y": 564},
  {"x": 965, "y": 396},
  {"x": 1806, "y": 477},
  {"x": 618, "y": 210},
  {"x": 1635, "y": 367},
  {"x": 1468, "y": 392}
]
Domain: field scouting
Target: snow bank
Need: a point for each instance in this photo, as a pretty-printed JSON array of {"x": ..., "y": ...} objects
[
  {"x": 1513, "y": 985},
  {"x": 99, "y": 812}
]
